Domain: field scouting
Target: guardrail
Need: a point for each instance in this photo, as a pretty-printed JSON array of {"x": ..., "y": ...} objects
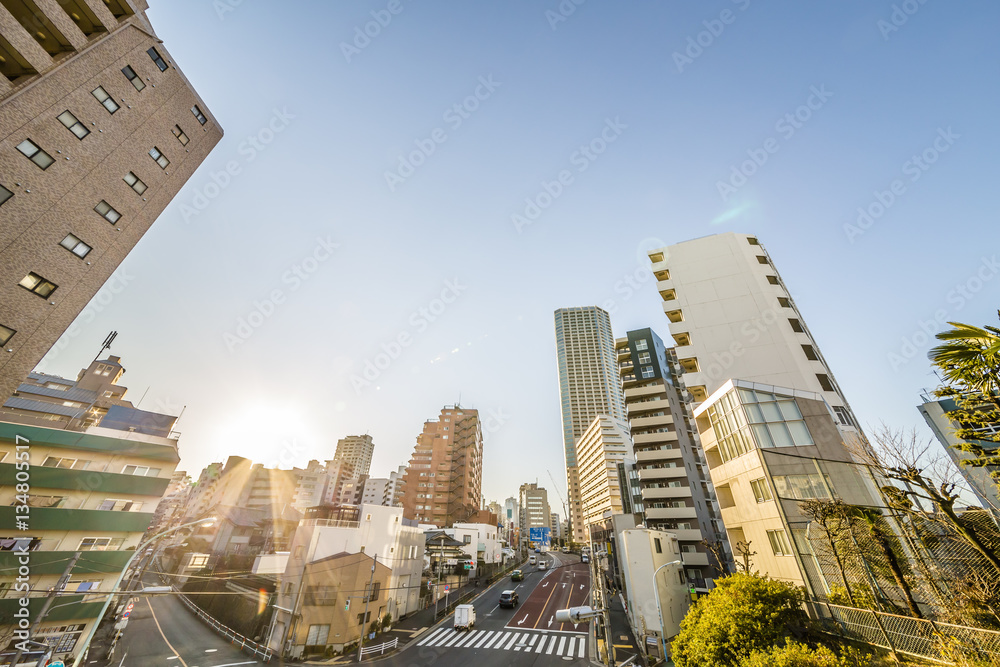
[
  {"x": 379, "y": 648},
  {"x": 248, "y": 646}
]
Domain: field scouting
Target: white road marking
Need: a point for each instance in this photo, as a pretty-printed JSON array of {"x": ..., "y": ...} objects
[
  {"x": 569, "y": 646},
  {"x": 500, "y": 635},
  {"x": 431, "y": 637},
  {"x": 236, "y": 664},
  {"x": 531, "y": 640},
  {"x": 458, "y": 636},
  {"x": 552, "y": 645},
  {"x": 443, "y": 637},
  {"x": 550, "y": 621},
  {"x": 583, "y": 644},
  {"x": 513, "y": 640},
  {"x": 211, "y": 650},
  {"x": 468, "y": 640},
  {"x": 486, "y": 635},
  {"x": 523, "y": 619},
  {"x": 562, "y": 643}
]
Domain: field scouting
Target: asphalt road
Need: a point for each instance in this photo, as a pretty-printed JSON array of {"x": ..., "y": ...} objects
[
  {"x": 161, "y": 632},
  {"x": 497, "y": 639}
]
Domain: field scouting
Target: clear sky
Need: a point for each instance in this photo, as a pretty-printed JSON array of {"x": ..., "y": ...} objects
[{"x": 381, "y": 216}]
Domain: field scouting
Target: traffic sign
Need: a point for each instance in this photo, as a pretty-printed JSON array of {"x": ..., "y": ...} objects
[
  {"x": 57, "y": 663},
  {"x": 128, "y": 610},
  {"x": 446, "y": 588}
]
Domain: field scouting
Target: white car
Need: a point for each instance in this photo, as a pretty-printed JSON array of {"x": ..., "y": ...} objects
[{"x": 543, "y": 565}]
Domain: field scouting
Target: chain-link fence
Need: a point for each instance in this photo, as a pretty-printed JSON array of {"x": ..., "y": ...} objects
[{"x": 939, "y": 642}]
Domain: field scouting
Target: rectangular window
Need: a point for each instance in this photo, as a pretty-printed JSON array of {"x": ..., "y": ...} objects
[
  {"x": 752, "y": 241},
  {"x": 141, "y": 471},
  {"x": 779, "y": 543},
  {"x": 196, "y": 110},
  {"x": 40, "y": 286},
  {"x": 135, "y": 183},
  {"x": 33, "y": 152},
  {"x": 159, "y": 157},
  {"x": 75, "y": 246},
  {"x": 73, "y": 124},
  {"x": 5, "y": 194},
  {"x": 112, "y": 505},
  {"x": 106, "y": 100},
  {"x": 641, "y": 344},
  {"x": 133, "y": 77},
  {"x": 760, "y": 490},
  {"x": 6, "y": 333},
  {"x": 104, "y": 209},
  {"x": 810, "y": 352},
  {"x": 843, "y": 415},
  {"x": 644, "y": 357},
  {"x": 657, "y": 545},
  {"x": 761, "y": 259},
  {"x": 94, "y": 544},
  {"x": 157, "y": 58},
  {"x": 773, "y": 280},
  {"x": 784, "y": 302},
  {"x": 376, "y": 589},
  {"x": 181, "y": 137},
  {"x": 647, "y": 372},
  {"x": 56, "y": 462},
  {"x": 801, "y": 487},
  {"x": 796, "y": 326},
  {"x": 824, "y": 381}
]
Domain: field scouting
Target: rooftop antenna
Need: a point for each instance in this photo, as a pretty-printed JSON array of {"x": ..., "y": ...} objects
[{"x": 107, "y": 344}]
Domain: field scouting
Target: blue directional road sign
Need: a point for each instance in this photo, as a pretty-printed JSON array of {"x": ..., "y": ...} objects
[{"x": 540, "y": 535}]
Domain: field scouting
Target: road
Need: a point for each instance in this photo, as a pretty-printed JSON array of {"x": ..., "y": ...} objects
[
  {"x": 519, "y": 636},
  {"x": 161, "y": 632}
]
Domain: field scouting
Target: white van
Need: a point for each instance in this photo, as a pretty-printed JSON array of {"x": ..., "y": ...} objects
[
  {"x": 465, "y": 617},
  {"x": 531, "y": 559}
]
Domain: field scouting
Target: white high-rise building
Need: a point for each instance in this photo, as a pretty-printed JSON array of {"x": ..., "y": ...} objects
[
  {"x": 604, "y": 445},
  {"x": 588, "y": 388}
]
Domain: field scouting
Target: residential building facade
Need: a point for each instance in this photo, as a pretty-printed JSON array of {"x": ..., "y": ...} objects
[
  {"x": 100, "y": 131},
  {"x": 533, "y": 502},
  {"x": 588, "y": 388},
  {"x": 600, "y": 449}
]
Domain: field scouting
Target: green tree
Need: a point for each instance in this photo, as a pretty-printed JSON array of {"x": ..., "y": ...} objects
[
  {"x": 885, "y": 543},
  {"x": 794, "y": 654},
  {"x": 742, "y": 614}
]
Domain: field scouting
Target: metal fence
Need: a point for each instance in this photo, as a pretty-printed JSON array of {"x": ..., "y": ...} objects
[
  {"x": 938, "y": 642},
  {"x": 248, "y": 646},
  {"x": 379, "y": 648}
]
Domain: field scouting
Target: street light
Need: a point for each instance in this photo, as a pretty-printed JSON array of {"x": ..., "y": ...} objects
[
  {"x": 204, "y": 523},
  {"x": 659, "y": 610}
]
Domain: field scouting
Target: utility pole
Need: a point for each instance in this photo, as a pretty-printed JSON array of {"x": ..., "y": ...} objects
[
  {"x": 61, "y": 584},
  {"x": 364, "y": 616},
  {"x": 438, "y": 582}
]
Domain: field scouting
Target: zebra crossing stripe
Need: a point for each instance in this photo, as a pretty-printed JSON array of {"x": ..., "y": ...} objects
[
  {"x": 513, "y": 640},
  {"x": 583, "y": 644},
  {"x": 442, "y": 638},
  {"x": 541, "y": 644},
  {"x": 500, "y": 636},
  {"x": 457, "y": 637},
  {"x": 569, "y": 646},
  {"x": 562, "y": 643},
  {"x": 432, "y": 636},
  {"x": 483, "y": 637},
  {"x": 552, "y": 645},
  {"x": 472, "y": 635}
]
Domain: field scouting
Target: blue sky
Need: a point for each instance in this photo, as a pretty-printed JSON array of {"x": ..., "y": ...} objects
[{"x": 329, "y": 262}]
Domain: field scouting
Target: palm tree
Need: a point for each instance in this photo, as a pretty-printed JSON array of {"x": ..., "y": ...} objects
[{"x": 970, "y": 359}]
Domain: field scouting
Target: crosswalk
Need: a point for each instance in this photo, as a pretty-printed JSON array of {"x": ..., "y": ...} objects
[{"x": 563, "y": 644}]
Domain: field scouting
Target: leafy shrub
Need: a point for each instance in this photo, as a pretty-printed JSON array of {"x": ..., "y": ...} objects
[{"x": 794, "y": 654}]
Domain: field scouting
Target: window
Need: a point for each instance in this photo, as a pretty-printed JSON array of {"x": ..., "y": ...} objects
[
  {"x": 773, "y": 280},
  {"x": 467, "y": 539},
  {"x": 760, "y": 490},
  {"x": 157, "y": 58},
  {"x": 752, "y": 241},
  {"x": 796, "y": 326},
  {"x": 810, "y": 352},
  {"x": 159, "y": 157},
  {"x": 73, "y": 124},
  {"x": 6, "y": 333},
  {"x": 317, "y": 635},
  {"x": 644, "y": 357},
  {"x": 133, "y": 77},
  {"x": 364, "y": 618},
  {"x": 200, "y": 561},
  {"x": 657, "y": 545},
  {"x": 5, "y": 194},
  {"x": 33, "y": 152},
  {"x": 75, "y": 246},
  {"x": 135, "y": 183},
  {"x": 95, "y": 544},
  {"x": 801, "y": 487},
  {"x": 40, "y": 286},
  {"x": 842, "y": 414},
  {"x": 57, "y": 462},
  {"x": 112, "y": 505},
  {"x": 647, "y": 372},
  {"x": 761, "y": 259},
  {"x": 375, "y": 590},
  {"x": 641, "y": 344},
  {"x": 104, "y": 209},
  {"x": 106, "y": 100},
  {"x": 825, "y": 382},
  {"x": 141, "y": 471},
  {"x": 181, "y": 137},
  {"x": 46, "y": 501},
  {"x": 198, "y": 114},
  {"x": 784, "y": 302},
  {"x": 779, "y": 543}
]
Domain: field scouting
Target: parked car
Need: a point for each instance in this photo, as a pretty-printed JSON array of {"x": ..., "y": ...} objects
[
  {"x": 508, "y": 599},
  {"x": 517, "y": 575},
  {"x": 465, "y": 617}
]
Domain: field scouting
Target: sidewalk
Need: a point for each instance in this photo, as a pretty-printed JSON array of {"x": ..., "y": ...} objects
[{"x": 622, "y": 639}]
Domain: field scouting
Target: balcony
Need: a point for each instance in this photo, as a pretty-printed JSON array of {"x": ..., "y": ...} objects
[
  {"x": 639, "y": 392},
  {"x": 652, "y": 438},
  {"x": 661, "y": 473},
  {"x": 686, "y": 534},
  {"x": 98, "y": 522},
  {"x": 689, "y": 364},
  {"x": 655, "y": 405},
  {"x": 674, "y": 316},
  {"x": 661, "y": 513},
  {"x": 657, "y": 454},
  {"x": 683, "y": 339},
  {"x": 694, "y": 558},
  {"x": 656, "y": 493},
  {"x": 651, "y": 422}
]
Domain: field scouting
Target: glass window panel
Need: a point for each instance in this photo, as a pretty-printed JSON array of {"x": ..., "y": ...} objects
[
  {"x": 747, "y": 396},
  {"x": 69, "y": 242},
  {"x": 771, "y": 412},
  {"x": 754, "y": 414},
  {"x": 800, "y": 433},
  {"x": 780, "y": 435},
  {"x": 30, "y": 281},
  {"x": 5, "y": 194},
  {"x": 82, "y": 249},
  {"x": 762, "y": 436},
  {"x": 27, "y": 148},
  {"x": 789, "y": 410},
  {"x": 764, "y": 396},
  {"x": 43, "y": 159}
]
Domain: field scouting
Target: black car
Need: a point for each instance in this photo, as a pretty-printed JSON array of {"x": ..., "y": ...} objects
[{"x": 508, "y": 599}]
